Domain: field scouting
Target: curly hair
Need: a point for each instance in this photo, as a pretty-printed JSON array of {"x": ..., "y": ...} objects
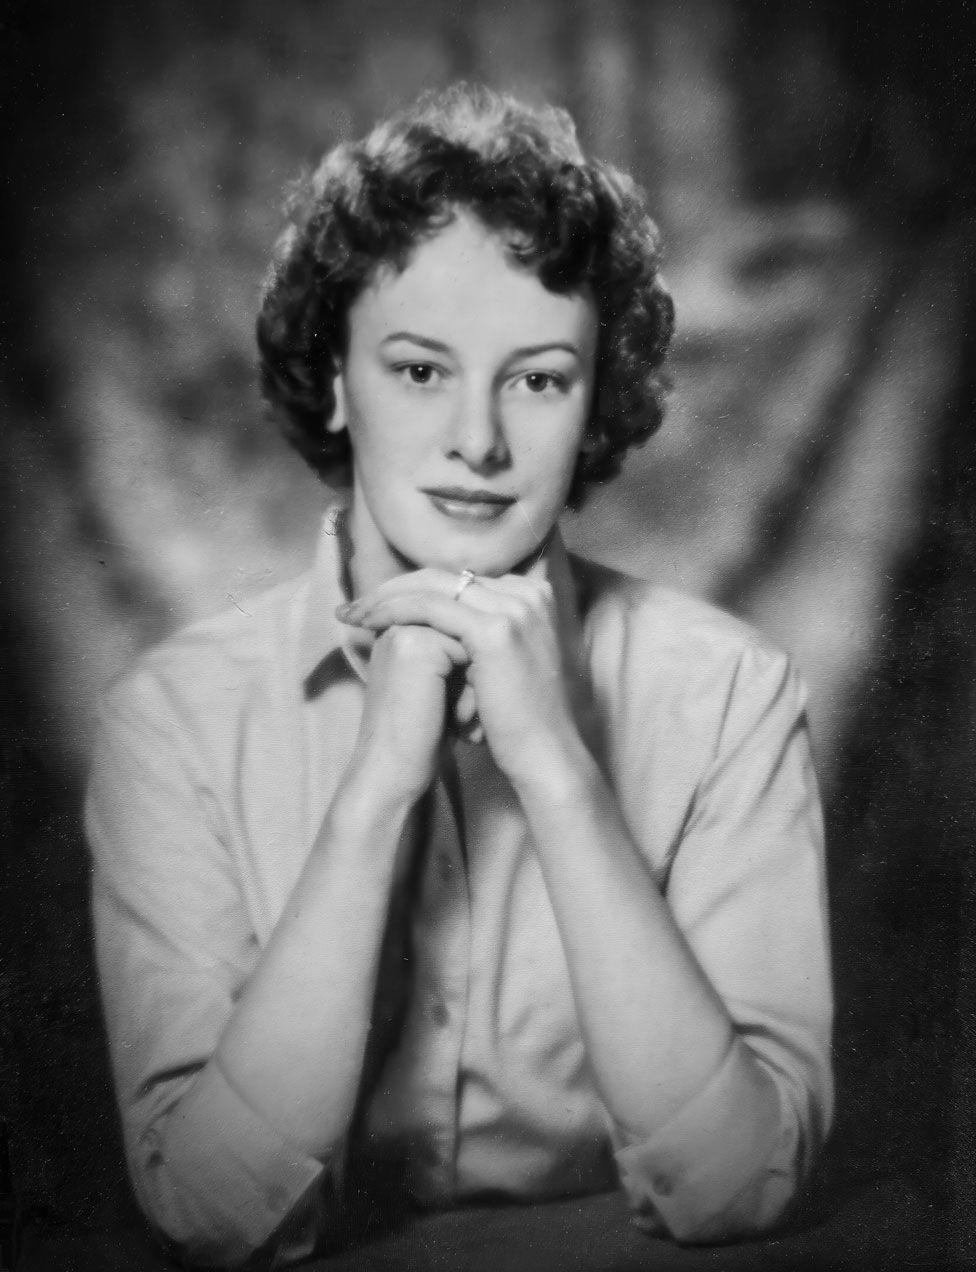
[{"x": 577, "y": 223}]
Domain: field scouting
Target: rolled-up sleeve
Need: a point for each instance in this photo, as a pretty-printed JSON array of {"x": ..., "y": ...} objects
[
  {"x": 747, "y": 887},
  {"x": 725, "y": 1166},
  {"x": 174, "y": 948}
]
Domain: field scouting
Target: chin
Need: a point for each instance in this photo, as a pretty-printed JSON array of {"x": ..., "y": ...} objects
[
  {"x": 492, "y": 559},
  {"x": 420, "y": 537}
]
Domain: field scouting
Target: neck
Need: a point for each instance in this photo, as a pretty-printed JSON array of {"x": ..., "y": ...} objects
[{"x": 368, "y": 559}]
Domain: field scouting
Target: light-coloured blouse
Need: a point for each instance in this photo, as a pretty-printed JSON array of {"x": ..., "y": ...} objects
[{"x": 216, "y": 761}]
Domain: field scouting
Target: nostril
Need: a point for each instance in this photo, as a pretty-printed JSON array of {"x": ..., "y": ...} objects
[{"x": 479, "y": 445}]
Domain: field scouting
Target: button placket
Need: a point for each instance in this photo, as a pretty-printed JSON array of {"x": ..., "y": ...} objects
[{"x": 442, "y": 953}]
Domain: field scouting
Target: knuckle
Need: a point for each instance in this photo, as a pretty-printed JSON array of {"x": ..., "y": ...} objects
[
  {"x": 406, "y": 642},
  {"x": 498, "y": 631},
  {"x": 537, "y": 597}
]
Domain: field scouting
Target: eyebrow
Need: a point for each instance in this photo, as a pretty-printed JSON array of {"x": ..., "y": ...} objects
[{"x": 526, "y": 351}]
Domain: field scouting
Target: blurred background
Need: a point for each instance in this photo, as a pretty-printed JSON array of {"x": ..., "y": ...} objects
[{"x": 812, "y": 167}]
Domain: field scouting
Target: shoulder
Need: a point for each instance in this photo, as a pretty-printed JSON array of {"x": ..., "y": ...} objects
[
  {"x": 210, "y": 666},
  {"x": 665, "y": 662},
  {"x": 686, "y": 694},
  {"x": 639, "y": 620}
]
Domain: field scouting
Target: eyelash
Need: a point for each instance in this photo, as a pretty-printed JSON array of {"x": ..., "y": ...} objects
[
  {"x": 552, "y": 380},
  {"x": 407, "y": 368}
]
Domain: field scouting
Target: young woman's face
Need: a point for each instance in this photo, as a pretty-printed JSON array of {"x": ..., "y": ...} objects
[{"x": 466, "y": 389}]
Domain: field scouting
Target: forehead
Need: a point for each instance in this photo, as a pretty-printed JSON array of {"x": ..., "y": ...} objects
[{"x": 463, "y": 283}]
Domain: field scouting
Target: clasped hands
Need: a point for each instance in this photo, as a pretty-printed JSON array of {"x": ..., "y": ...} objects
[{"x": 500, "y": 634}]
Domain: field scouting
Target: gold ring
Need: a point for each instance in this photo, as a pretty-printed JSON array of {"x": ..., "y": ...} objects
[{"x": 464, "y": 578}]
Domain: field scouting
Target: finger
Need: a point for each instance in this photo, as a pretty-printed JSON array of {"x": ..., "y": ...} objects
[
  {"x": 443, "y": 582},
  {"x": 453, "y": 648},
  {"x": 466, "y": 707},
  {"x": 422, "y": 609},
  {"x": 514, "y": 585},
  {"x": 492, "y": 600},
  {"x": 538, "y": 571},
  {"x": 446, "y": 583}
]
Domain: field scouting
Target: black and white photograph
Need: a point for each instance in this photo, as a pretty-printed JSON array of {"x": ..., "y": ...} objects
[{"x": 488, "y": 632}]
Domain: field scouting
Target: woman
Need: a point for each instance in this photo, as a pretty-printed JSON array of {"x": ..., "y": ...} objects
[{"x": 460, "y": 862}]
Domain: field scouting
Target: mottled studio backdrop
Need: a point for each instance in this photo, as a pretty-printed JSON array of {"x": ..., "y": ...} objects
[{"x": 812, "y": 167}]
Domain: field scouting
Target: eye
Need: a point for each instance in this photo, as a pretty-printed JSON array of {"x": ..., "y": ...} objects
[
  {"x": 539, "y": 382},
  {"x": 419, "y": 373}
]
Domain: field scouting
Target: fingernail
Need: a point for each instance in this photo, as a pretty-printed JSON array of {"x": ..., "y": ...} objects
[{"x": 344, "y": 610}]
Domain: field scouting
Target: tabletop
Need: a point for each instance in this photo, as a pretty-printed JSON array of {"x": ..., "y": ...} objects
[{"x": 884, "y": 1223}]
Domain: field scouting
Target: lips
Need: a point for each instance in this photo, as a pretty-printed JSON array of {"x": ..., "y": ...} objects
[{"x": 464, "y": 504}]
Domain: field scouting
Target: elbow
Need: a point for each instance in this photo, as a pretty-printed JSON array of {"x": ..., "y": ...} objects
[
  {"x": 757, "y": 1210},
  {"x": 697, "y": 1220},
  {"x": 722, "y": 1177},
  {"x": 193, "y": 1246},
  {"x": 200, "y": 1226},
  {"x": 220, "y": 1186},
  {"x": 201, "y": 1230},
  {"x": 212, "y": 1205}
]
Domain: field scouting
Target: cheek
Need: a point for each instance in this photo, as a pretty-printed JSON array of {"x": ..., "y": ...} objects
[
  {"x": 551, "y": 462},
  {"x": 559, "y": 444},
  {"x": 386, "y": 440}
]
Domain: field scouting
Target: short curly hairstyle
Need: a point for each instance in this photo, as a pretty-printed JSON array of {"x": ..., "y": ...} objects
[{"x": 577, "y": 223}]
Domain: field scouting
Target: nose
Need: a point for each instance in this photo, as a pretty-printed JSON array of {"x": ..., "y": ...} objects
[{"x": 477, "y": 432}]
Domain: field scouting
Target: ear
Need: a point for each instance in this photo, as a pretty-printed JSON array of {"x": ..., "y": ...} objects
[{"x": 337, "y": 421}]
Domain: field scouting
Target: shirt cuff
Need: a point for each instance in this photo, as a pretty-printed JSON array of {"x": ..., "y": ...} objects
[
  {"x": 218, "y": 1180},
  {"x": 725, "y": 1165}
]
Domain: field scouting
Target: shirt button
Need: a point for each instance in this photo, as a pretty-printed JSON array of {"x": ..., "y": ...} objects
[
  {"x": 663, "y": 1185},
  {"x": 439, "y": 1013}
]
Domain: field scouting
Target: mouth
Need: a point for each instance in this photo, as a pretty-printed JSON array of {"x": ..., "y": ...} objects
[{"x": 464, "y": 504}]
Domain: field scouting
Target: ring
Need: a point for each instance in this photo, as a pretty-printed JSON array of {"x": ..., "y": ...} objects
[{"x": 464, "y": 578}]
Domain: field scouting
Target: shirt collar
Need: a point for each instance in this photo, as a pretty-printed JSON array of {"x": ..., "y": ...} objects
[
  {"x": 328, "y": 644},
  {"x": 322, "y": 635}
]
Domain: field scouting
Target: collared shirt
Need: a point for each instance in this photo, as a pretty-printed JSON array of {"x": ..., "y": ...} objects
[{"x": 215, "y": 763}]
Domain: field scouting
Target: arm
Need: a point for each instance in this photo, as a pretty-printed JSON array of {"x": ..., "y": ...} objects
[
  {"x": 706, "y": 1013},
  {"x": 236, "y": 1084},
  {"x": 717, "y": 1116}
]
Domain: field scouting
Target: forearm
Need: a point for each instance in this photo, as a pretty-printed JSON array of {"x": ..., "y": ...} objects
[
  {"x": 294, "y": 1048},
  {"x": 655, "y": 1029}
]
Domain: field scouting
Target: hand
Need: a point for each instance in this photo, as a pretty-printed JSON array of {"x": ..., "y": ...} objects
[
  {"x": 507, "y": 628},
  {"x": 404, "y": 713}
]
